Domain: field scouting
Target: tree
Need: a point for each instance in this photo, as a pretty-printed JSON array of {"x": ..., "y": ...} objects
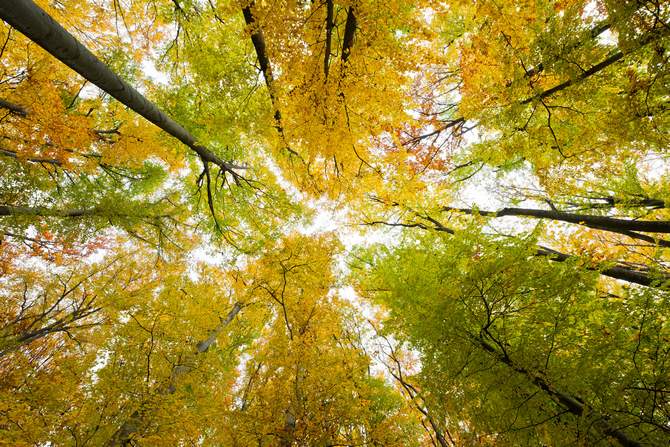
[
  {"x": 499, "y": 337},
  {"x": 53, "y": 326},
  {"x": 345, "y": 91},
  {"x": 308, "y": 382},
  {"x": 401, "y": 223},
  {"x": 137, "y": 420},
  {"x": 37, "y": 25}
]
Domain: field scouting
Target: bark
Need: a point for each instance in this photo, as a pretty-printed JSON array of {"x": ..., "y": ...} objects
[
  {"x": 597, "y": 30},
  {"x": 611, "y": 224},
  {"x": 13, "y": 108},
  {"x": 415, "y": 396},
  {"x": 611, "y": 201},
  {"x": 616, "y": 272},
  {"x": 288, "y": 435},
  {"x": 65, "y": 324},
  {"x": 38, "y": 26},
  {"x": 137, "y": 420},
  {"x": 260, "y": 48},
  {"x": 9, "y": 210},
  {"x": 258, "y": 41},
  {"x": 565, "y": 400},
  {"x": 12, "y": 154},
  {"x": 349, "y": 32},
  {"x": 329, "y": 35},
  {"x": 204, "y": 345},
  {"x": 586, "y": 74}
]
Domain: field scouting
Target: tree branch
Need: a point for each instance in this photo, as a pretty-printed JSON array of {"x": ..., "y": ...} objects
[
  {"x": 615, "y": 225},
  {"x": 14, "y": 108},
  {"x": 329, "y": 36},
  {"x": 349, "y": 32},
  {"x": 38, "y": 26}
]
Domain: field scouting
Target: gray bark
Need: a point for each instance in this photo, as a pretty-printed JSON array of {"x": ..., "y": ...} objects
[
  {"x": 14, "y": 108},
  {"x": 623, "y": 273},
  {"x": 616, "y": 272},
  {"x": 626, "y": 227},
  {"x": 137, "y": 420},
  {"x": 38, "y": 26},
  {"x": 565, "y": 400},
  {"x": 258, "y": 41}
]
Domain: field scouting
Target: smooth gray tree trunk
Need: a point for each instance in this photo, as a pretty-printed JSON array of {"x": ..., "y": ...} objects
[
  {"x": 137, "y": 420},
  {"x": 594, "y": 221}
]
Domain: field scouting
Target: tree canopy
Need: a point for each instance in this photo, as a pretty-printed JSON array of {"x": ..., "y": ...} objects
[{"x": 334, "y": 223}]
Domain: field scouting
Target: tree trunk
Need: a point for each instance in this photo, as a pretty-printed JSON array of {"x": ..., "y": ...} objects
[
  {"x": 14, "y": 108},
  {"x": 14, "y": 155},
  {"x": 38, "y": 26},
  {"x": 9, "y": 210},
  {"x": 349, "y": 32},
  {"x": 329, "y": 35},
  {"x": 107, "y": 212},
  {"x": 264, "y": 61},
  {"x": 613, "y": 225},
  {"x": 566, "y": 401},
  {"x": 592, "y": 221},
  {"x": 596, "y": 31},
  {"x": 258, "y": 41},
  {"x": 616, "y": 272},
  {"x": 648, "y": 38},
  {"x": 137, "y": 420}
]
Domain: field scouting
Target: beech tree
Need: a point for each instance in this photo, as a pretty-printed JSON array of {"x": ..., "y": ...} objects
[
  {"x": 334, "y": 223},
  {"x": 496, "y": 341}
]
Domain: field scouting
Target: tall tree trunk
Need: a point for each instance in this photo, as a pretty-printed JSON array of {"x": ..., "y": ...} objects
[
  {"x": 593, "y": 221},
  {"x": 329, "y": 36},
  {"x": 137, "y": 420},
  {"x": 38, "y": 26},
  {"x": 65, "y": 324},
  {"x": 600, "y": 66},
  {"x": 349, "y": 33},
  {"x": 615, "y": 202},
  {"x": 611, "y": 224},
  {"x": 596, "y": 31},
  {"x": 9, "y": 210},
  {"x": 258, "y": 41},
  {"x": 13, "y": 108},
  {"x": 15, "y": 155},
  {"x": 616, "y": 272},
  {"x": 565, "y": 400}
]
